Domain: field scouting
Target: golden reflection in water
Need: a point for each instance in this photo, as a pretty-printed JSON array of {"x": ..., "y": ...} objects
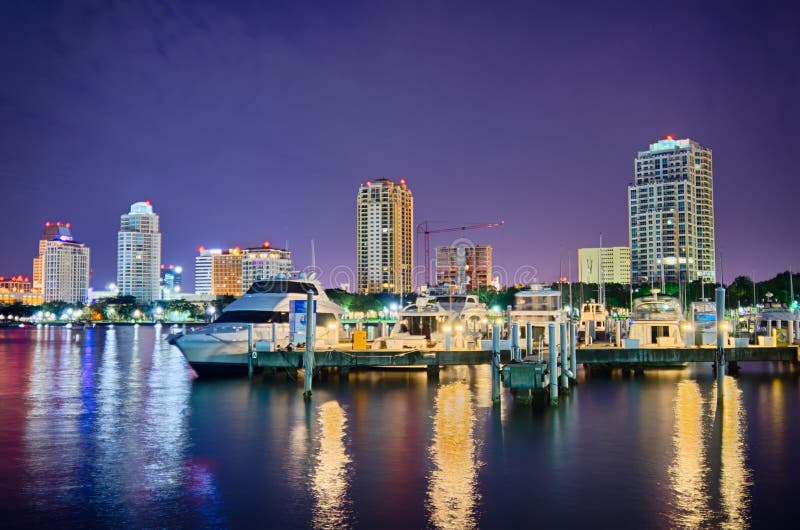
[
  {"x": 452, "y": 488},
  {"x": 329, "y": 479},
  {"x": 735, "y": 477},
  {"x": 688, "y": 469}
]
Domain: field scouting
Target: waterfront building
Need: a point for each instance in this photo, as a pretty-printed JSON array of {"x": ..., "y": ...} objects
[
  {"x": 18, "y": 289},
  {"x": 470, "y": 266},
  {"x": 171, "y": 281},
  {"x": 604, "y": 265},
  {"x": 61, "y": 270},
  {"x": 385, "y": 237},
  {"x": 264, "y": 263},
  {"x": 202, "y": 270},
  {"x": 671, "y": 213},
  {"x": 226, "y": 273},
  {"x": 139, "y": 253}
]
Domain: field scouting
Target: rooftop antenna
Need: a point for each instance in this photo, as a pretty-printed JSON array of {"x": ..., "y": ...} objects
[{"x": 791, "y": 287}]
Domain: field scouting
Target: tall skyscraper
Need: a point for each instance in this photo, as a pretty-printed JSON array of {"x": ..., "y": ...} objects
[
  {"x": 203, "y": 263},
  {"x": 264, "y": 263},
  {"x": 612, "y": 264},
  {"x": 671, "y": 213},
  {"x": 139, "y": 253},
  {"x": 62, "y": 267},
  {"x": 385, "y": 237},
  {"x": 467, "y": 265}
]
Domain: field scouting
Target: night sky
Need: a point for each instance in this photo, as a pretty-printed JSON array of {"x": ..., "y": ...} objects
[{"x": 252, "y": 121}]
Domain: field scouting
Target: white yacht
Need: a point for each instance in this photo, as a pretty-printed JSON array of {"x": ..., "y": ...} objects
[
  {"x": 778, "y": 318},
  {"x": 540, "y": 306},
  {"x": 426, "y": 323},
  {"x": 656, "y": 321},
  {"x": 222, "y": 345},
  {"x": 593, "y": 312}
]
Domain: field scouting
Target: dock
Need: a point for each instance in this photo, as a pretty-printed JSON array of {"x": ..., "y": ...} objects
[{"x": 524, "y": 374}]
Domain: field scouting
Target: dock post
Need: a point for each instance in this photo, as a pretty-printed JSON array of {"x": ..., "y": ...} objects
[
  {"x": 496, "y": 363},
  {"x": 573, "y": 357},
  {"x": 720, "y": 357},
  {"x": 250, "y": 351},
  {"x": 508, "y": 320},
  {"x": 516, "y": 354},
  {"x": 551, "y": 361},
  {"x": 528, "y": 339},
  {"x": 564, "y": 356},
  {"x": 448, "y": 340},
  {"x": 618, "y": 333},
  {"x": 308, "y": 355}
]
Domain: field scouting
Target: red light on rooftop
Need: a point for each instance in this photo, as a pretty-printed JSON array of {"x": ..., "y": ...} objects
[
  {"x": 369, "y": 183},
  {"x": 58, "y": 223},
  {"x": 2, "y": 278},
  {"x": 669, "y": 137},
  {"x": 402, "y": 182},
  {"x": 69, "y": 224},
  {"x": 266, "y": 244},
  {"x": 148, "y": 203},
  {"x": 27, "y": 279},
  {"x": 47, "y": 224},
  {"x": 201, "y": 249}
]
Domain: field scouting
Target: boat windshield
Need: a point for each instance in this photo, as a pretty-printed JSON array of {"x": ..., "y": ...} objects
[
  {"x": 655, "y": 310},
  {"x": 451, "y": 299},
  {"x": 281, "y": 287}
]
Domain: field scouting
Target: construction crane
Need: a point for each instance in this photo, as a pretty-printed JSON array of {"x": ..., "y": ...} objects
[{"x": 423, "y": 228}]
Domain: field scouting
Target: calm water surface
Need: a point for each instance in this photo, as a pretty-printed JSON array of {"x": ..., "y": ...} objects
[{"x": 109, "y": 427}]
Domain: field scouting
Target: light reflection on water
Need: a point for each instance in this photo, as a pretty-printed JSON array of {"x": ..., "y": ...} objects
[
  {"x": 709, "y": 475},
  {"x": 452, "y": 490},
  {"x": 106, "y": 428},
  {"x": 330, "y": 474}
]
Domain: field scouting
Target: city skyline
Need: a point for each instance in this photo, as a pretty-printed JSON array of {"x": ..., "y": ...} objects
[{"x": 493, "y": 126}]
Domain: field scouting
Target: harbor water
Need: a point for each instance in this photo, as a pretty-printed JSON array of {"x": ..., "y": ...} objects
[{"x": 109, "y": 427}]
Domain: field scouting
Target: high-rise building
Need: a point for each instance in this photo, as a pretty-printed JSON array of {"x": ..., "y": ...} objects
[
  {"x": 470, "y": 266},
  {"x": 203, "y": 281},
  {"x": 611, "y": 264},
  {"x": 671, "y": 213},
  {"x": 226, "y": 273},
  {"x": 264, "y": 263},
  {"x": 61, "y": 270},
  {"x": 139, "y": 253},
  {"x": 385, "y": 237}
]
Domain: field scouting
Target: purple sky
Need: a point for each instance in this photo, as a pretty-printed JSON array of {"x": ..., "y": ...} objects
[{"x": 236, "y": 119}]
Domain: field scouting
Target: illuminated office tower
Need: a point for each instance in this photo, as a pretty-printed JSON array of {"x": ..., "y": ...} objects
[
  {"x": 139, "y": 253},
  {"x": 671, "y": 213},
  {"x": 385, "y": 237}
]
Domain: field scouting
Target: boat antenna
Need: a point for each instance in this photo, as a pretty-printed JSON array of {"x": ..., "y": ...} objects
[
  {"x": 313, "y": 260},
  {"x": 791, "y": 287}
]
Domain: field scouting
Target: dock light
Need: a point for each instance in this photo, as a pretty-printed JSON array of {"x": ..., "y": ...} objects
[
  {"x": 484, "y": 320},
  {"x": 137, "y": 313},
  {"x": 158, "y": 310},
  {"x": 448, "y": 329},
  {"x": 459, "y": 328},
  {"x": 686, "y": 326},
  {"x": 331, "y": 326},
  {"x": 211, "y": 310},
  {"x": 725, "y": 325},
  {"x": 499, "y": 321},
  {"x": 495, "y": 309}
]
